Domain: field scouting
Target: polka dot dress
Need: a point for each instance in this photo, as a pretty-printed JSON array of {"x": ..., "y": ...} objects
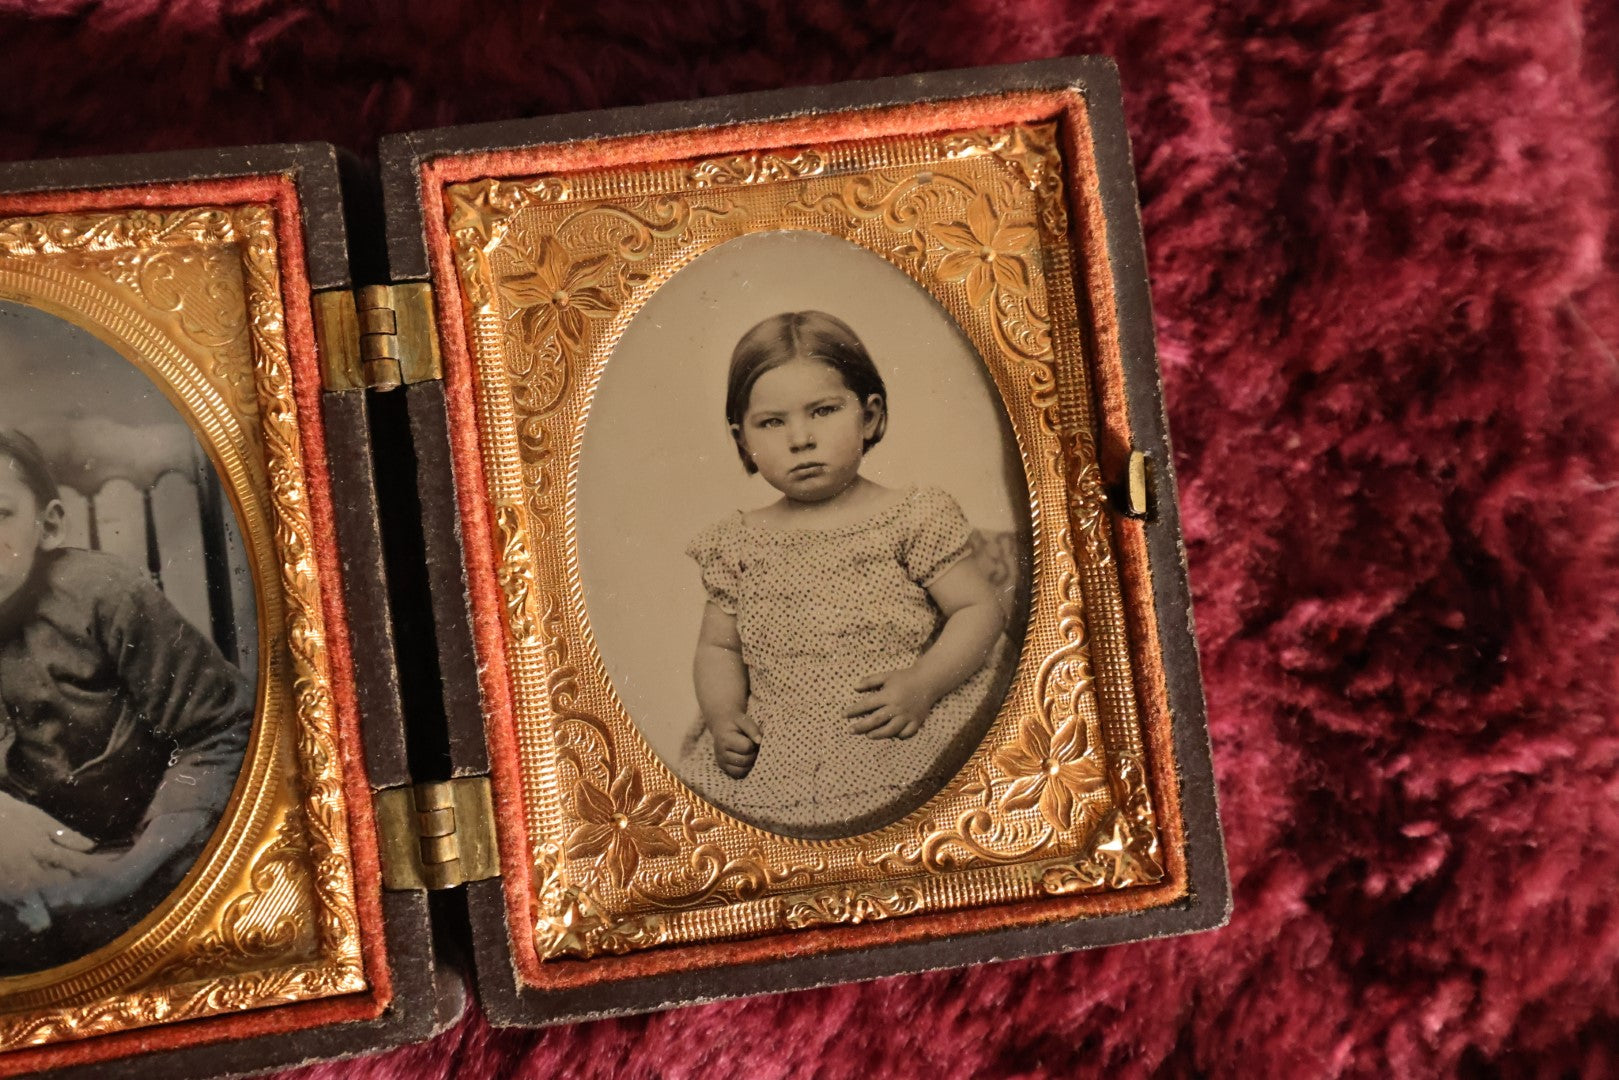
[{"x": 818, "y": 611}]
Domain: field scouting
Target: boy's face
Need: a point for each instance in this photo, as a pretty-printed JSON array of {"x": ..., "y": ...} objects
[{"x": 26, "y": 529}]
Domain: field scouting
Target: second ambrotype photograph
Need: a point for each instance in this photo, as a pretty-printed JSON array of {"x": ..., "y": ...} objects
[
  {"x": 128, "y": 643},
  {"x": 176, "y": 711}
]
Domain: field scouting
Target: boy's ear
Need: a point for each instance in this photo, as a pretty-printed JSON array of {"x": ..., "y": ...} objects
[{"x": 52, "y": 525}]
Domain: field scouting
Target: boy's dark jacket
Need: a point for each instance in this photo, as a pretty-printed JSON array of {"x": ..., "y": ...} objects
[{"x": 116, "y": 708}]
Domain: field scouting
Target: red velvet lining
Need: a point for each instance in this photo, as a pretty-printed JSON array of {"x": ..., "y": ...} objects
[
  {"x": 480, "y": 554},
  {"x": 488, "y": 628},
  {"x": 281, "y": 193}
]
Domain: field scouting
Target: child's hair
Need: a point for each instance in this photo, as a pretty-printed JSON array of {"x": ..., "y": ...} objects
[
  {"x": 800, "y": 335},
  {"x": 29, "y": 463}
]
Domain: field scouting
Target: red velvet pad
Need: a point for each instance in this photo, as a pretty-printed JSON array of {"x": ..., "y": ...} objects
[
  {"x": 280, "y": 193},
  {"x": 1096, "y": 292}
]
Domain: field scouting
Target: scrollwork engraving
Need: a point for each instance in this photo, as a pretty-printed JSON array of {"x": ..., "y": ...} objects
[
  {"x": 757, "y": 168},
  {"x": 1031, "y": 153},
  {"x": 325, "y": 810},
  {"x": 573, "y": 922},
  {"x": 261, "y": 924},
  {"x": 851, "y": 905}
]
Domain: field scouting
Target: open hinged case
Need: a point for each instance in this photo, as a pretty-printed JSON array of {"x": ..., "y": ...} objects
[{"x": 444, "y": 617}]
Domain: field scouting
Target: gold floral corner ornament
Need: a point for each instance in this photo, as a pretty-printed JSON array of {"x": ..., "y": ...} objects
[
  {"x": 987, "y": 251},
  {"x": 551, "y": 297},
  {"x": 620, "y": 825},
  {"x": 1121, "y": 854},
  {"x": 1059, "y": 771},
  {"x": 256, "y": 926},
  {"x": 1030, "y": 153},
  {"x": 573, "y": 922},
  {"x": 193, "y": 297},
  {"x": 625, "y": 856}
]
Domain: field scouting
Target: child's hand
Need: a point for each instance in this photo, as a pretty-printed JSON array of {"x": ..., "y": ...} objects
[
  {"x": 82, "y": 880},
  {"x": 30, "y": 842},
  {"x": 893, "y": 705},
  {"x": 87, "y": 880},
  {"x": 736, "y": 744}
]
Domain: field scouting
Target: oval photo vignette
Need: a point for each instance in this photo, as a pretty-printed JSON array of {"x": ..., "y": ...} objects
[{"x": 659, "y": 472}]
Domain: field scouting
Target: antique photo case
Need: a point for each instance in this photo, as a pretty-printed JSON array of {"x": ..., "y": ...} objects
[
  {"x": 729, "y": 546},
  {"x": 190, "y": 862},
  {"x": 818, "y": 607}
]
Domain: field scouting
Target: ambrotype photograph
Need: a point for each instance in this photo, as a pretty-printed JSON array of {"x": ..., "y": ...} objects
[
  {"x": 128, "y": 643},
  {"x": 827, "y": 511},
  {"x": 794, "y": 591}
]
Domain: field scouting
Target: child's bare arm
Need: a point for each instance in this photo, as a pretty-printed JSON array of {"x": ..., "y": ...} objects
[
  {"x": 97, "y": 878},
  {"x": 722, "y": 693},
  {"x": 894, "y": 704}
]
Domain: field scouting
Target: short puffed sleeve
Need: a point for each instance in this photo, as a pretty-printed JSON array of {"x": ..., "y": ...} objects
[
  {"x": 716, "y": 550},
  {"x": 938, "y": 536}
]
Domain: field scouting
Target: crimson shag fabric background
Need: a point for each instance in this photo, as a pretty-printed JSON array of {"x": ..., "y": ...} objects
[{"x": 1383, "y": 251}]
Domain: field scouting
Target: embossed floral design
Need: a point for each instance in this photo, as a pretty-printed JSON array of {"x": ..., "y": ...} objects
[
  {"x": 573, "y": 922},
  {"x": 1032, "y": 156},
  {"x": 1123, "y": 853},
  {"x": 552, "y": 294},
  {"x": 300, "y": 890},
  {"x": 623, "y": 824},
  {"x": 757, "y": 168},
  {"x": 1024, "y": 151},
  {"x": 484, "y": 208},
  {"x": 1053, "y": 768},
  {"x": 985, "y": 251}
]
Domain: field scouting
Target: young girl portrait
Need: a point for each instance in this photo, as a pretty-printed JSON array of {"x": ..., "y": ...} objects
[
  {"x": 803, "y": 535},
  {"x": 846, "y": 645}
]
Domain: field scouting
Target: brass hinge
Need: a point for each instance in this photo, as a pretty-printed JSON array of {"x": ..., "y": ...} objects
[
  {"x": 1137, "y": 486},
  {"x": 379, "y": 337},
  {"x": 437, "y": 835}
]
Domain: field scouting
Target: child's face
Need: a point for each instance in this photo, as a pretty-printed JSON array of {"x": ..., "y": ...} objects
[
  {"x": 806, "y": 431},
  {"x": 26, "y": 529}
]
